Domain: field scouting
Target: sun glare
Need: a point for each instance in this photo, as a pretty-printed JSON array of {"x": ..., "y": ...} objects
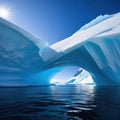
[{"x": 5, "y": 12}]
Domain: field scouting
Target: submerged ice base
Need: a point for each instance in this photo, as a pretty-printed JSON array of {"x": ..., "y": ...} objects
[{"x": 26, "y": 60}]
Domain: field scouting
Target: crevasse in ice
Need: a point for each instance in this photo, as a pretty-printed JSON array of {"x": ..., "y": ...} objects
[{"x": 26, "y": 60}]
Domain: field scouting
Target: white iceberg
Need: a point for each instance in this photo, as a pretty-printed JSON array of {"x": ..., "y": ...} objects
[{"x": 26, "y": 60}]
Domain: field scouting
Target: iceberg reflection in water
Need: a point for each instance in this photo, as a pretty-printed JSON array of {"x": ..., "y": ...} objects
[{"x": 68, "y": 102}]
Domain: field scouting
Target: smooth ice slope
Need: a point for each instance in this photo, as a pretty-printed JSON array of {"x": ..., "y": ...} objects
[{"x": 26, "y": 60}]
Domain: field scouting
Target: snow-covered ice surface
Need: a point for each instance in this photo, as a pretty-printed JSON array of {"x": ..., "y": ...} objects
[
  {"x": 107, "y": 25},
  {"x": 26, "y": 60}
]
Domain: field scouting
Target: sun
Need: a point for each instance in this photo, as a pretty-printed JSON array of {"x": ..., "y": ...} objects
[{"x": 5, "y": 12}]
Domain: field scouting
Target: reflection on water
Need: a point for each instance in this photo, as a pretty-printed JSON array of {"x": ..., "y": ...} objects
[{"x": 60, "y": 103}]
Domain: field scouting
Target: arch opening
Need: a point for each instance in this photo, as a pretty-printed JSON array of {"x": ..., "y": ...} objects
[{"x": 72, "y": 75}]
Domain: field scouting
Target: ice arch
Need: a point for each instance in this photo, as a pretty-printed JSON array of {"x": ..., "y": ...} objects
[
  {"x": 95, "y": 47},
  {"x": 26, "y": 60},
  {"x": 103, "y": 64}
]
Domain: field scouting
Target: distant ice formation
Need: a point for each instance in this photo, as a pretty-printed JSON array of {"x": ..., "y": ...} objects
[
  {"x": 26, "y": 60},
  {"x": 81, "y": 77}
]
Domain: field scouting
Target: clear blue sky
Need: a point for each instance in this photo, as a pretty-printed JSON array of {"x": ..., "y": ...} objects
[{"x": 54, "y": 20}]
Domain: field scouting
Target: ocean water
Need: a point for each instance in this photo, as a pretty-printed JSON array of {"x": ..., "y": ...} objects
[{"x": 71, "y": 102}]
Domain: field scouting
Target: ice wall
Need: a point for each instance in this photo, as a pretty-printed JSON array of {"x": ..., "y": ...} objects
[{"x": 19, "y": 54}]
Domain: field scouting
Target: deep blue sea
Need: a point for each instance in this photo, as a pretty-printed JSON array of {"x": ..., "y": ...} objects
[{"x": 71, "y": 102}]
